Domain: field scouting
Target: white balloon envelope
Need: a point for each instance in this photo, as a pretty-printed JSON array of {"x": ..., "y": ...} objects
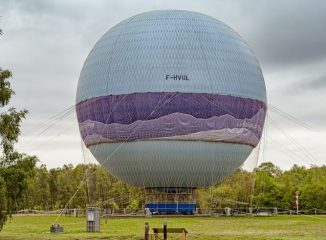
[{"x": 171, "y": 99}]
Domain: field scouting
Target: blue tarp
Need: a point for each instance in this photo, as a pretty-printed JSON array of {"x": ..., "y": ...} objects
[{"x": 170, "y": 208}]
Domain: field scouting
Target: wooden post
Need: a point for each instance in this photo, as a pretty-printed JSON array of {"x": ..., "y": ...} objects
[
  {"x": 155, "y": 234},
  {"x": 165, "y": 232},
  {"x": 184, "y": 234},
  {"x": 146, "y": 231}
]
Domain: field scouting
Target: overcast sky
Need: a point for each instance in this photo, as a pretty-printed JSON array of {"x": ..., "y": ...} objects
[{"x": 45, "y": 44}]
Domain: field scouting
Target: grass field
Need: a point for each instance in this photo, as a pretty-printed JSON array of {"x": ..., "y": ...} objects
[{"x": 277, "y": 227}]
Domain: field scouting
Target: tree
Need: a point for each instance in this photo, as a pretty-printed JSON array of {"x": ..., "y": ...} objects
[
  {"x": 270, "y": 168},
  {"x": 53, "y": 175},
  {"x": 15, "y": 168},
  {"x": 42, "y": 187}
]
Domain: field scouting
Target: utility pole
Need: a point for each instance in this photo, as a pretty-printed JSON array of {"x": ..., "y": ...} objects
[{"x": 297, "y": 194}]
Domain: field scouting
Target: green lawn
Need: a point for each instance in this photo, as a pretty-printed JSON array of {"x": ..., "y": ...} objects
[{"x": 280, "y": 227}]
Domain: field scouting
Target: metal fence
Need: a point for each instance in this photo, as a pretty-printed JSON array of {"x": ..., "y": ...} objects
[{"x": 215, "y": 212}]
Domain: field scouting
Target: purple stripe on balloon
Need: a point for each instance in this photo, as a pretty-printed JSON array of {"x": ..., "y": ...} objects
[
  {"x": 173, "y": 127},
  {"x": 128, "y": 108},
  {"x": 243, "y": 127}
]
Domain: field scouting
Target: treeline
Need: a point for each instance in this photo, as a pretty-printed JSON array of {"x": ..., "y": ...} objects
[
  {"x": 54, "y": 188},
  {"x": 268, "y": 186}
]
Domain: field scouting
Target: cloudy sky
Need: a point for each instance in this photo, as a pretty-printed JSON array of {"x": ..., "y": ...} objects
[{"x": 46, "y": 42}]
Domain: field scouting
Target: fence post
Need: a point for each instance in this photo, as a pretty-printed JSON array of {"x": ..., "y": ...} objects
[{"x": 165, "y": 232}]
